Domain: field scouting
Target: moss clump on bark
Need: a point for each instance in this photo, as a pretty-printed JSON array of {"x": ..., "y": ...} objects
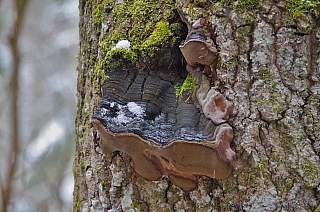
[
  {"x": 152, "y": 28},
  {"x": 159, "y": 35},
  {"x": 97, "y": 14},
  {"x": 295, "y": 8},
  {"x": 189, "y": 85},
  {"x": 247, "y": 5}
]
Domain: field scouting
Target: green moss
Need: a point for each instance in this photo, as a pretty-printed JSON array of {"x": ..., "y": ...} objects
[
  {"x": 160, "y": 34},
  {"x": 118, "y": 192},
  {"x": 243, "y": 33},
  {"x": 109, "y": 2},
  {"x": 247, "y": 4},
  {"x": 311, "y": 116},
  {"x": 100, "y": 8},
  {"x": 273, "y": 99},
  {"x": 78, "y": 205},
  {"x": 137, "y": 204},
  {"x": 264, "y": 169},
  {"x": 115, "y": 58},
  {"x": 242, "y": 5},
  {"x": 199, "y": 2},
  {"x": 311, "y": 173},
  {"x": 103, "y": 183},
  {"x": 299, "y": 168},
  {"x": 233, "y": 61},
  {"x": 98, "y": 75},
  {"x": 195, "y": 12},
  {"x": 189, "y": 85},
  {"x": 250, "y": 175},
  {"x": 82, "y": 165},
  {"x": 296, "y": 8},
  {"x": 97, "y": 14},
  {"x": 147, "y": 26}
]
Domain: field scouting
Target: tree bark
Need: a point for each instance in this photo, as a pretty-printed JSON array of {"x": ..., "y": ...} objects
[{"x": 268, "y": 68}]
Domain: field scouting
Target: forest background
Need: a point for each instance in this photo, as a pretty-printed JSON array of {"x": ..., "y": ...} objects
[{"x": 38, "y": 50}]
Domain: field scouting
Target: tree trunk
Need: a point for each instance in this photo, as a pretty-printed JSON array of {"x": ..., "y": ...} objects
[{"x": 267, "y": 67}]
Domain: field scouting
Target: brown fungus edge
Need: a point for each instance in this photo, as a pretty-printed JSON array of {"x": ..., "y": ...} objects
[{"x": 181, "y": 161}]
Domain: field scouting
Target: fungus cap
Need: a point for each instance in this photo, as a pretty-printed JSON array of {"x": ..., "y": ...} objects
[
  {"x": 197, "y": 51},
  {"x": 214, "y": 105},
  {"x": 182, "y": 161}
]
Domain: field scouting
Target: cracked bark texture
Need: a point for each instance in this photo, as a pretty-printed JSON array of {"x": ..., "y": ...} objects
[{"x": 269, "y": 69}]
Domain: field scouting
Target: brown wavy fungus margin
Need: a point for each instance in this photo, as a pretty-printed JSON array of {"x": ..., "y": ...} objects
[{"x": 181, "y": 161}]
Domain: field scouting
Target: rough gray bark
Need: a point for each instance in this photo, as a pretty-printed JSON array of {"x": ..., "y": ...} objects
[{"x": 268, "y": 68}]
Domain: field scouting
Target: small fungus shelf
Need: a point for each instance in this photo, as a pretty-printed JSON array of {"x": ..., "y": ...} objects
[
  {"x": 198, "y": 48},
  {"x": 196, "y": 51}
]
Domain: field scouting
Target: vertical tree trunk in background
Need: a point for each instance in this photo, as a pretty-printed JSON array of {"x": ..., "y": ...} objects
[
  {"x": 268, "y": 68},
  {"x": 7, "y": 186}
]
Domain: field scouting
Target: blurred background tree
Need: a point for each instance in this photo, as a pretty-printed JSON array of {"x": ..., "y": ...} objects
[{"x": 38, "y": 48}]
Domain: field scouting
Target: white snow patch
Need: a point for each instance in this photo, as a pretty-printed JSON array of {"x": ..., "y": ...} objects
[
  {"x": 121, "y": 118},
  {"x": 135, "y": 109},
  {"x": 122, "y": 44}
]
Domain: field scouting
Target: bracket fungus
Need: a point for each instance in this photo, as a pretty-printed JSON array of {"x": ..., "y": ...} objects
[
  {"x": 163, "y": 136},
  {"x": 198, "y": 48},
  {"x": 196, "y": 51},
  {"x": 140, "y": 116},
  {"x": 182, "y": 161},
  {"x": 214, "y": 106}
]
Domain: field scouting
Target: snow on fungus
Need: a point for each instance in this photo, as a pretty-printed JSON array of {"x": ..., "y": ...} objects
[
  {"x": 122, "y": 44},
  {"x": 135, "y": 108},
  {"x": 180, "y": 160}
]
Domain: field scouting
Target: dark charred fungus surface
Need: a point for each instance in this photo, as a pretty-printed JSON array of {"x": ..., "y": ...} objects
[{"x": 140, "y": 115}]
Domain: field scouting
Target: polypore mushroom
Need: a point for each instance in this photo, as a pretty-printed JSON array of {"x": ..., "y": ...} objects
[
  {"x": 184, "y": 180},
  {"x": 165, "y": 142},
  {"x": 198, "y": 49},
  {"x": 180, "y": 160},
  {"x": 213, "y": 104}
]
